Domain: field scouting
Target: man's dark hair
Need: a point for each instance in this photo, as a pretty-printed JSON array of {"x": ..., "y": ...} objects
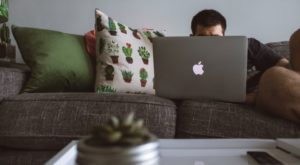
[{"x": 208, "y": 18}]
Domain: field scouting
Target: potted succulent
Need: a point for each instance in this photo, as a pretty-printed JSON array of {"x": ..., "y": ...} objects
[
  {"x": 144, "y": 54},
  {"x": 105, "y": 89},
  {"x": 102, "y": 45},
  {"x": 148, "y": 35},
  {"x": 143, "y": 76},
  {"x": 127, "y": 76},
  {"x": 112, "y": 27},
  {"x": 99, "y": 25},
  {"x": 109, "y": 73},
  {"x": 113, "y": 49},
  {"x": 122, "y": 28},
  {"x": 122, "y": 141},
  {"x": 128, "y": 53},
  {"x": 158, "y": 34},
  {"x": 135, "y": 33},
  {"x": 6, "y": 49}
]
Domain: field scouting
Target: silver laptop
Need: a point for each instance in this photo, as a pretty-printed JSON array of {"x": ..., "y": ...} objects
[{"x": 201, "y": 67}]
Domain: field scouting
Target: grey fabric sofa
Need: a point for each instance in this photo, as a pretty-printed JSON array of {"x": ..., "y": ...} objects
[{"x": 35, "y": 126}]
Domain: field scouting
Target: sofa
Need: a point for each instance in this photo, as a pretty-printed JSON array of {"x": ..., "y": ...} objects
[{"x": 35, "y": 126}]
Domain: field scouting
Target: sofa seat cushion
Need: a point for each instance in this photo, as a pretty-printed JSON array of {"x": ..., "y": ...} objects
[
  {"x": 25, "y": 157},
  {"x": 51, "y": 120},
  {"x": 201, "y": 119}
]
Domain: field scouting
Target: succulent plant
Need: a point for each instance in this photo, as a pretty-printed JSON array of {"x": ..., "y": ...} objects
[
  {"x": 143, "y": 53},
  {"x": 105, "y": 89},
  {"x": 127, "y": 75},
  {"x": 4, "y": 10},
  {"x": 4, "y": 30},
  {"x": 122, "y": 28},
  {"x": 109, "y": 69},
  {"x": 109, "y": 72},
  {"x": 112, "y": 48},
  {"x": 102, "y": 45},
  {"x": 112, "y": 27},
  {"x": 99, "y": 24},
  {"x": 143, "y": 74},
  {"x": 121, "y": 132},
  {"x": 127, "y": 50},
  {"x": 158, "y": 34},
  {"x": 135, "y": 33},
  {"x": 148, "y": 34},
  {"x": 128, "y": 53}
]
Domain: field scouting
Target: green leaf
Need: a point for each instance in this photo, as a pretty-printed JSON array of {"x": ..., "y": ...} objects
[
  {"x": 129, "y": 119},
  {"x": 4, "y": 9},
  {"x": 114, "y": 122}
]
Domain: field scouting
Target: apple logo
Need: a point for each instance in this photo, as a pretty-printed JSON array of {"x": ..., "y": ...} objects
[{"x": 198, "y": 69}]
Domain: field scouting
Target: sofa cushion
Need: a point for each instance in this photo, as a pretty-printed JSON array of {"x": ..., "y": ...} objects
[
  {"x": 25, "y": 157},
  {"x": 51, "y": 120},
  {"x": 124, "y": 57},
  {"x": 58, "y": 61},
  {"x": 201, "y": 119}
]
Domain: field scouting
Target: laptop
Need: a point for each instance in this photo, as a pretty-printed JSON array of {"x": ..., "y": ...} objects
[{"x": 201, "y": 67}]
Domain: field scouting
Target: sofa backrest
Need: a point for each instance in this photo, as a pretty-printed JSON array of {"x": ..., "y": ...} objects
[{"x": 281, "y": 48}]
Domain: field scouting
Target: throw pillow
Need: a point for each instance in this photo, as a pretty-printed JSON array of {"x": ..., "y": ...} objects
[
  {"x": 90, "y": 42},
  {"x": 124, "y": 57},
  {"x": 58, "y": 61},
  {"x": 90, "y": 39}
]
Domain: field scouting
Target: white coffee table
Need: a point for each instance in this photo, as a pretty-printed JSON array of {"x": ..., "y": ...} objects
[{"x": 202, "y": 152}]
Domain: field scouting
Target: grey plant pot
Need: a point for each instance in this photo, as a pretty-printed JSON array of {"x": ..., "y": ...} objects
[{"x": 144, "y": 154}]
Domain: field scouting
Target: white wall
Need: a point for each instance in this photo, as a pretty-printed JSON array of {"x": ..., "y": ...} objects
[{"x": 266, "y": 20}]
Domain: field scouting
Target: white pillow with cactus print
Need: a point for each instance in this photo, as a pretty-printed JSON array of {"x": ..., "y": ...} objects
[{"x": 124, "y": 57}]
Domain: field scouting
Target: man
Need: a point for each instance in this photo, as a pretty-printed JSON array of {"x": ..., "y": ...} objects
[{"x": 276, "y": 89}]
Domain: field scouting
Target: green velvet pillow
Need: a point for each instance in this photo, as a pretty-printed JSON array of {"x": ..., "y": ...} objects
[{"x": 58, "y": 61}]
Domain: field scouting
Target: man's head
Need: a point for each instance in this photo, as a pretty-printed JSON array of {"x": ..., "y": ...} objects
[{"x": 208, "y": 23}]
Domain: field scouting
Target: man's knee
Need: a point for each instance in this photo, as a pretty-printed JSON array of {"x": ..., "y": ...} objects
[
  {"x": 279, "y": 92},
  {"x": 280, "y": 83},
  {"x": 278, "y": 77},
  {"x": 270, "y": 86},
  {"x": 274, "y": 78}
]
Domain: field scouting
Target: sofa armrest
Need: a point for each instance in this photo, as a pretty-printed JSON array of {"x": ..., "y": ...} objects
[{"x": 12, "y": 78}]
